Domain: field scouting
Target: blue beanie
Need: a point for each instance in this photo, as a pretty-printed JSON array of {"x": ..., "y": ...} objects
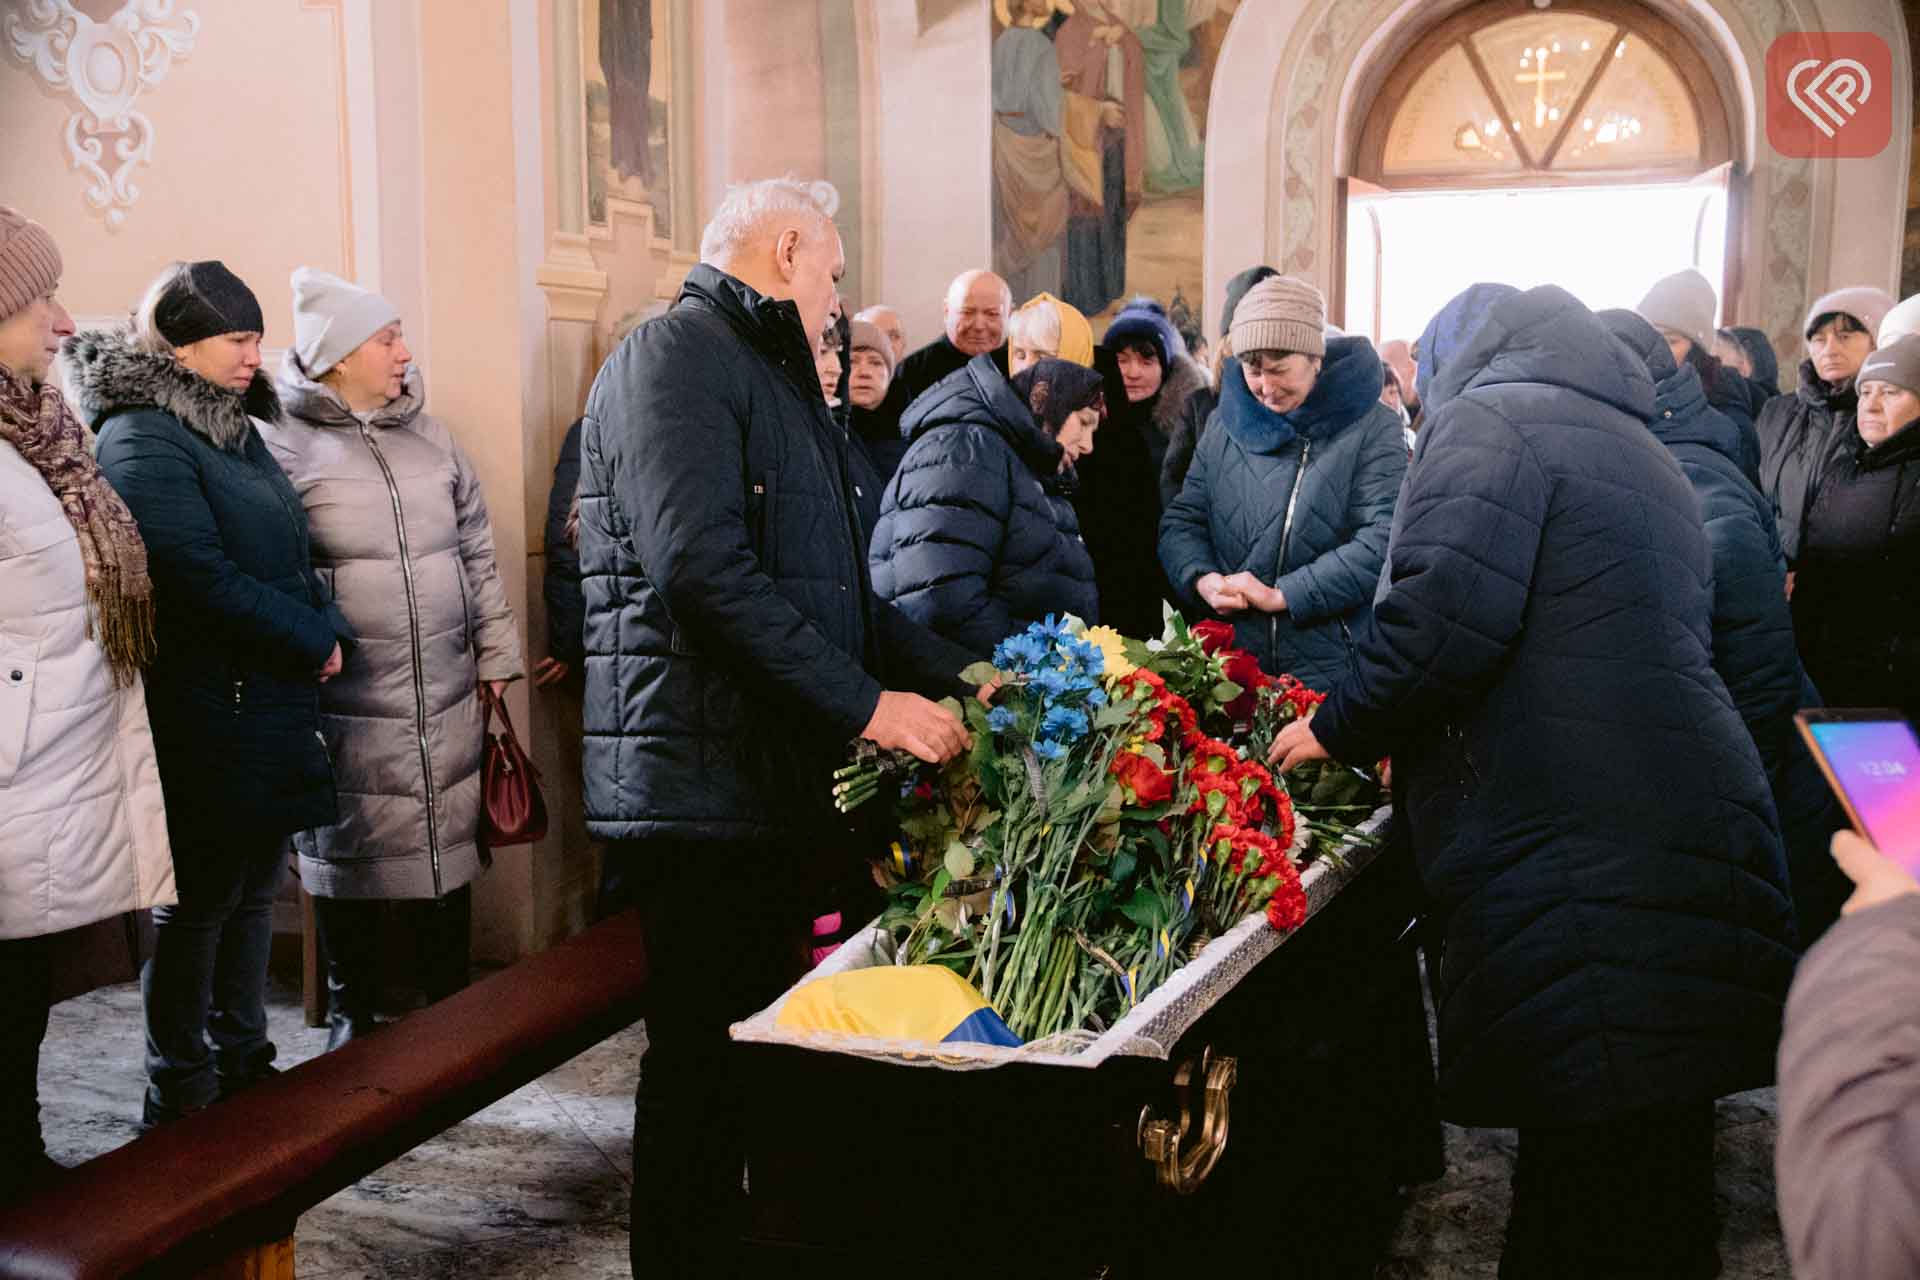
[{"x": 1145, "y": 321}]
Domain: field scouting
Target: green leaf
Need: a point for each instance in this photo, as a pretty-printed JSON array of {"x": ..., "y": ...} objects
[
  {"x": 1224, "y": 692},
  {"x": 951, "y": 706},
  {"x": 1156, "y": 753},
  {"x": 941, "y": 880},
  {"x": 1145, "y": 908},
  {"x": 959, "y": 861},
  {"x": 982, "y": 820},
  {"x": 980, "y": 673},
  {"x": 975, "y": 716},
  {"x": 1123, "y": 867},
  {"x": 1113, "y": 716}
]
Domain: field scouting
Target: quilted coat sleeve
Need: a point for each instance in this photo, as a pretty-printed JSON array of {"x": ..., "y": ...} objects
[
  {"x": 1343, "y": 578},
  {"x": 1463, "y": 561},
  {"x": 672, "y": 434},
  {"x": 1848, "y": 1157},
  {"x": 566, "y": 608},
  {"x": 1753, "y": 644},
  {"x": 1186, "y": 538},
  {"x": 496, "y": 639},
  {"x": 946, "y": 520},
  {"x": 156, "y": 477},
  {"x": 919, "y": 658}
]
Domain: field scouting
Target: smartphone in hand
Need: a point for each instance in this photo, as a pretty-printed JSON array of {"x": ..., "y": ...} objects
[{"x": 1872, "y": 761}]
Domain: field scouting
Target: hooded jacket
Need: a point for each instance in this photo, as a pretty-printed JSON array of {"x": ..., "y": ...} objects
[
  {"x": 1856, "y": 603},
  {"x": 977, "y": 538},
  {"x": 734, "y": 645},
  {"x": 1753, "y": 636},
  {"x": 83, "y": 827},
  {"x": 1120, "y": 496},
  {"x": 242, "y": 622},
  {"x": 1800, "y": 434},
  {"x": 1301, "y": 500},
  {"x": 403, "y": 546},
  {"x": 1585, "y": 806}
]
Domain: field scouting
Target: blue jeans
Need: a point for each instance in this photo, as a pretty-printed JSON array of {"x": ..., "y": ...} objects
[{"x": 207, "y": 979}]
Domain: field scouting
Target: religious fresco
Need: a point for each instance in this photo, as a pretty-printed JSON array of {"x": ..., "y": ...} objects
[
  {"x": 626, "y": 74},
  {"x": 1099, "y": 146}
]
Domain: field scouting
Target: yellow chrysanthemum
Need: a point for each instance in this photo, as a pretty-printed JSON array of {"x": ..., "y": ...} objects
[{"x": 1113, "y": 649}]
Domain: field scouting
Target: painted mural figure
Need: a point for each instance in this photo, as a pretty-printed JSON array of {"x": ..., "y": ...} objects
[
  {"x": 626, "y": 59},
  {"x": 1176, "y": 160},
  {"x": 1029, "y": 122},
  {"x": 1103, "y": 73}
]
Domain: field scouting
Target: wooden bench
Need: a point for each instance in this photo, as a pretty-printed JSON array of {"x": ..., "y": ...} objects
[{"x": 218, "y": 1193}]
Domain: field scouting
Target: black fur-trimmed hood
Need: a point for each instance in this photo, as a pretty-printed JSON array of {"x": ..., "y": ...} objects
[{"x": 108, "y": 375}]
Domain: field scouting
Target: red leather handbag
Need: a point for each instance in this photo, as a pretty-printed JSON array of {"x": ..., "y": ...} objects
[{"x": 512, "y": 808}]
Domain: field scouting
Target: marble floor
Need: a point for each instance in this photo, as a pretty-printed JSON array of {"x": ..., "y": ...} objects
[{"x": 556, "y": 1210}]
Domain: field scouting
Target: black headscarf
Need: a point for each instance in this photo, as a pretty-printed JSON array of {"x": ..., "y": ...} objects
[{"x": 1057, "y": 389}]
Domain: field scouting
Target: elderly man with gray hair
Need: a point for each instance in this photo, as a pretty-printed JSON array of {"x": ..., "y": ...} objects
[
  {"x": 733, "y": 649},
  {"x": 975, "y": 319}
]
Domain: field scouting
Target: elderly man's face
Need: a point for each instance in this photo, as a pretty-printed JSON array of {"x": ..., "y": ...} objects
[
  {"x": 818, "y": 263},
  {"x": 979, "y": 322},
  {"x": 887, "y": 320}
]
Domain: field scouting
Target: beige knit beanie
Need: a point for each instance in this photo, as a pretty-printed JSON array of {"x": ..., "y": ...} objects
[
  {"x": 1281, "y": 313},
  {"x": 1682, "y": 303},
  {"x": 1897, "y": 364},
  {"x": 29, "y": 261}
]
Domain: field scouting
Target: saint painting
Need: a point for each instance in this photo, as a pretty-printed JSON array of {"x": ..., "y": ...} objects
[
  {"x": 1098, "y": 145},
  {"x": 626, "y": 69}
]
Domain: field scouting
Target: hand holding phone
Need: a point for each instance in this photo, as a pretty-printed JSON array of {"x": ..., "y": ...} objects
[{"x": 1872, "y": 761}]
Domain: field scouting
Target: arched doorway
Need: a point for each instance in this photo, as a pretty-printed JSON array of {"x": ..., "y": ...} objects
[{"x": 1585, "y": 144}]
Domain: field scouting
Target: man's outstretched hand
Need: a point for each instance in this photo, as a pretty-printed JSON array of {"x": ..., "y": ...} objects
[{"x": 909, "y": 722}]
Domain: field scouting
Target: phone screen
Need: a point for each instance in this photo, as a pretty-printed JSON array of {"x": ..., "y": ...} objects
[{"x": 1877, "y": 764}]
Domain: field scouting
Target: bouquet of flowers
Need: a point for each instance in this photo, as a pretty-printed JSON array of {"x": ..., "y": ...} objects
[{"x": 1094, "y": 837}]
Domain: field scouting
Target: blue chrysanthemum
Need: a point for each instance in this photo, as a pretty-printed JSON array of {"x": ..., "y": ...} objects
[
  {"x": 1001, "y": 719},
  {"x": 1049, "y": 682},
  {"x": 1064, "y": 724},
  {"x": 1047, "y": 750}
]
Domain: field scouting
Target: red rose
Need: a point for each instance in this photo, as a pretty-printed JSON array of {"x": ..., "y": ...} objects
[
  {"x": 1213, "y": 635},
  {"x": 1148, "y": 783}
]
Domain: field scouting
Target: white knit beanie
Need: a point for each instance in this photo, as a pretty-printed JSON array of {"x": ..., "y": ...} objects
[
  {"x": 332, "y": 317},
  {"x": 1682, "y": 303},
  {"x": 1901, "y": 321}
]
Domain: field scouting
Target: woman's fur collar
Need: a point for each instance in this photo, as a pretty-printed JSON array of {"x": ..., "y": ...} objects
[
  {"x": 108, "y": 375},
  {"x": 1184, "y": 377}
]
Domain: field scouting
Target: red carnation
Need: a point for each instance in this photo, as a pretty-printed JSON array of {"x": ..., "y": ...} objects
[{"x": 1287, "y": 908}]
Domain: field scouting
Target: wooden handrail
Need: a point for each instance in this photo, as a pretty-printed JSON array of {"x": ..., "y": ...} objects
[{"x": 233, "y": 1178}]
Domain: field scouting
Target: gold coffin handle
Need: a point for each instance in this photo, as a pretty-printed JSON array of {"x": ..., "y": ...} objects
[{"x": 1179, "y": 1167}]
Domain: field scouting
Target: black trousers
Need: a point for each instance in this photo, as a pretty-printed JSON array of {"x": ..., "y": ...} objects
[
  {"x": 1632, "y": 1196},
  {"x": 727, "y": 928},
  {"x": 25, "y": 988}
]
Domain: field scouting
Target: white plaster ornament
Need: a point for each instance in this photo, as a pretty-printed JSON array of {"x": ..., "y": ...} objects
[{"x": 105, "y": 66}]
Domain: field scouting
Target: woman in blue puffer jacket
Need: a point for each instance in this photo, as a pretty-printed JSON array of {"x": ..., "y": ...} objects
[
  {"x": 977, "y": 535},
  {"x": 1753, "y": 641},
  {"x": 1281, "y": 524}
]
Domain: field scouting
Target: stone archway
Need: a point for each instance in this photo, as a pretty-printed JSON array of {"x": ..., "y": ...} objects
[{"x": 1290, "y": 93}]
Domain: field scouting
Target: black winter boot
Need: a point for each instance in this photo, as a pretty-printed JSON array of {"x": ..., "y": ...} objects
[
  {"x": 443, "y": 933},
  {"x": 350, "y": 943}
]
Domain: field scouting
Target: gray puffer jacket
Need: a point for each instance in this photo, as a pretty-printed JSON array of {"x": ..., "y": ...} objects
[{"x": 402, "y": 543}]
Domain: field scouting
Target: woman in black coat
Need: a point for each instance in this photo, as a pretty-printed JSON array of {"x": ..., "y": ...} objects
[
  {"x": 1586, "y": 809},
  {"x": 1857, "y": 604},
  {"x": 245, "y": 634},
  {"x": 977, "y": 537},
  {"x": 1753, "y": 645}
]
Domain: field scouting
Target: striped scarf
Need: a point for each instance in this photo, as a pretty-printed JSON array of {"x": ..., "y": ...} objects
[{"x": 36, "y": 421}]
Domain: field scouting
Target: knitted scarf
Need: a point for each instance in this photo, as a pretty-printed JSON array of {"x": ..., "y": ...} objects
[{"x": 36, "y": 421}]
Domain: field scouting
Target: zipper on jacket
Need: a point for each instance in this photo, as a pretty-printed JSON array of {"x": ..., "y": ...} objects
[
  {"x": 413, "y": 637},
  {"x": 1286, "y": 535}
]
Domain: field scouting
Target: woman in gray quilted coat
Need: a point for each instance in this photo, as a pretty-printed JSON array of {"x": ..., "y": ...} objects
[{"x": 402, "y": 542}]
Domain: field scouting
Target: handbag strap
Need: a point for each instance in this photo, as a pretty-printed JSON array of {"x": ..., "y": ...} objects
[{"x": 491, "y": 703}]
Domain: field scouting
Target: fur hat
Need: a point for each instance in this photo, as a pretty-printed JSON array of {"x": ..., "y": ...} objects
[
  {"x": 1281, "y": 313},
  {"x": 30, "y": 263},
  {"x": 1682, "y": 303}
]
